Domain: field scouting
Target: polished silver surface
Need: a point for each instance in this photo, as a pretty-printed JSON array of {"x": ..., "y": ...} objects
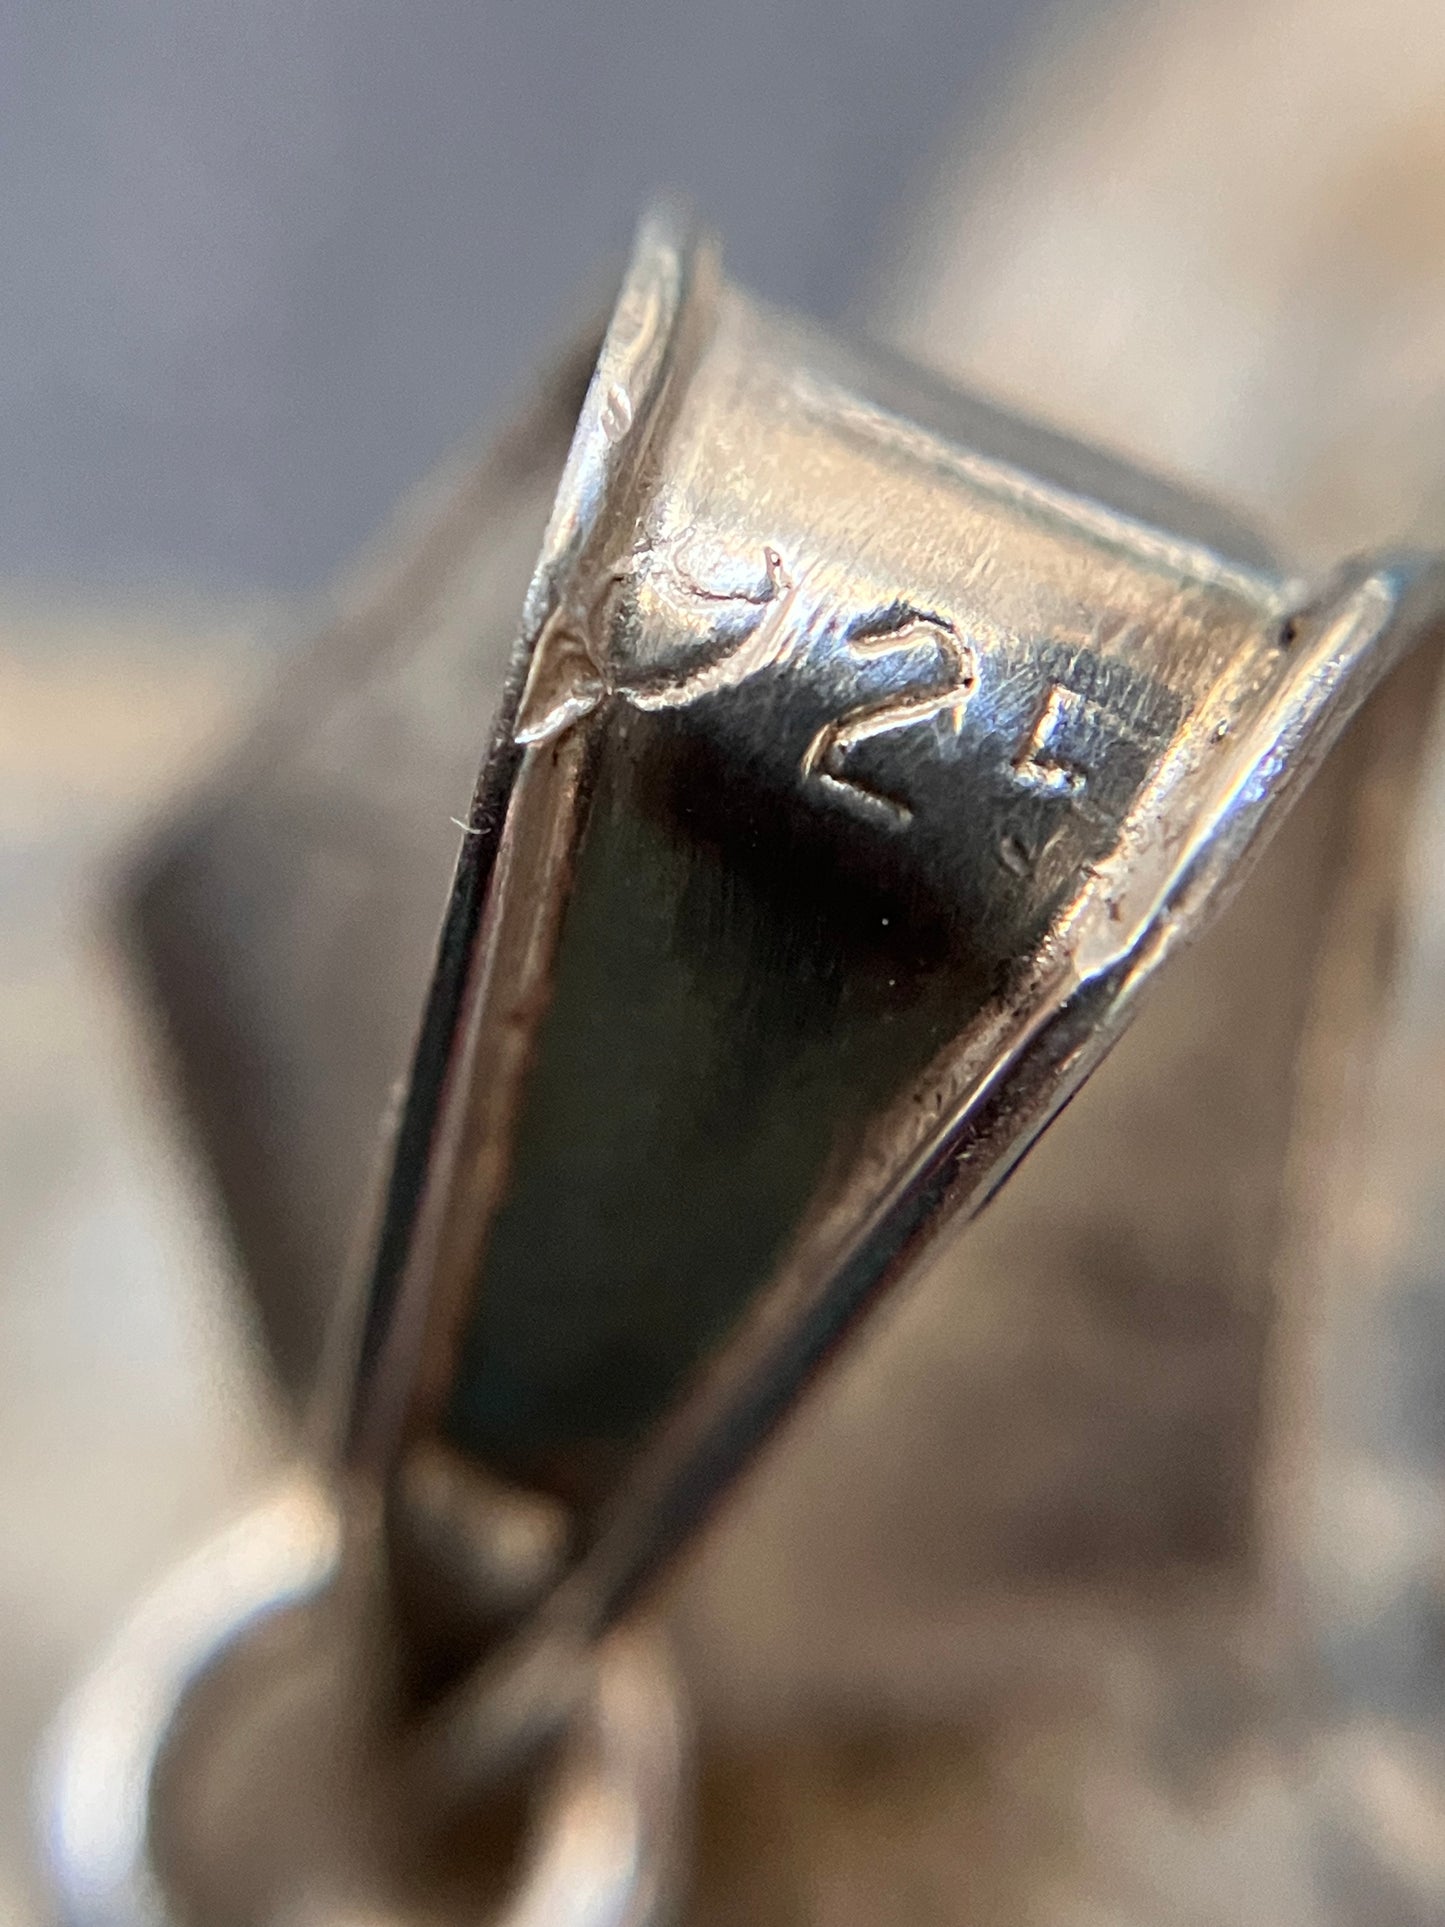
[{"x": 867, "y": 751}]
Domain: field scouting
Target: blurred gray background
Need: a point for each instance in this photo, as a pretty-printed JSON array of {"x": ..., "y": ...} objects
[{"x": 264, "y": 263}]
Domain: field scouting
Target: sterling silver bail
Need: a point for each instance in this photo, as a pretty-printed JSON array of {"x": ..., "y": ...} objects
[{"x": 865, "y": 752}]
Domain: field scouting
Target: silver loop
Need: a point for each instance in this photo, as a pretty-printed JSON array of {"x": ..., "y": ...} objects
[{"x": 604, "y": 1848}]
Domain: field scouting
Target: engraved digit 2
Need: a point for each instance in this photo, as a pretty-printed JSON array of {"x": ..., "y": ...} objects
[{"x": 825, "y": 757}]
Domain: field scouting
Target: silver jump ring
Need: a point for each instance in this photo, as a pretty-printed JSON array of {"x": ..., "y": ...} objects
[{"x": 604, "y": 1845}]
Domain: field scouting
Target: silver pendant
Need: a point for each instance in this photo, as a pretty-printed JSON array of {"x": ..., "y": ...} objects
[{"x": 865, "y": 751}]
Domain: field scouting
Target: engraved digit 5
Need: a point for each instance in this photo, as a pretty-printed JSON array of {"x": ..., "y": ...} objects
[
  {"x": 825, "y": 757},
  {"x": 1060, "y": 750}
]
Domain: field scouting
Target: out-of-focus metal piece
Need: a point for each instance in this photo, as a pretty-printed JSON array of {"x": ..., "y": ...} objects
[
  {"x": 1210, "y": 235},
  {"x": 285, "y": 919},
  {"x": 175, "y": 1792},
  {"x": 1354, "y": 1489},
  {"x": 96, "y": 1789}
]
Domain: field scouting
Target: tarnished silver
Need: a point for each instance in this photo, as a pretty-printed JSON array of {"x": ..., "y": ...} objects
[{"x": 865, "y": 753}]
